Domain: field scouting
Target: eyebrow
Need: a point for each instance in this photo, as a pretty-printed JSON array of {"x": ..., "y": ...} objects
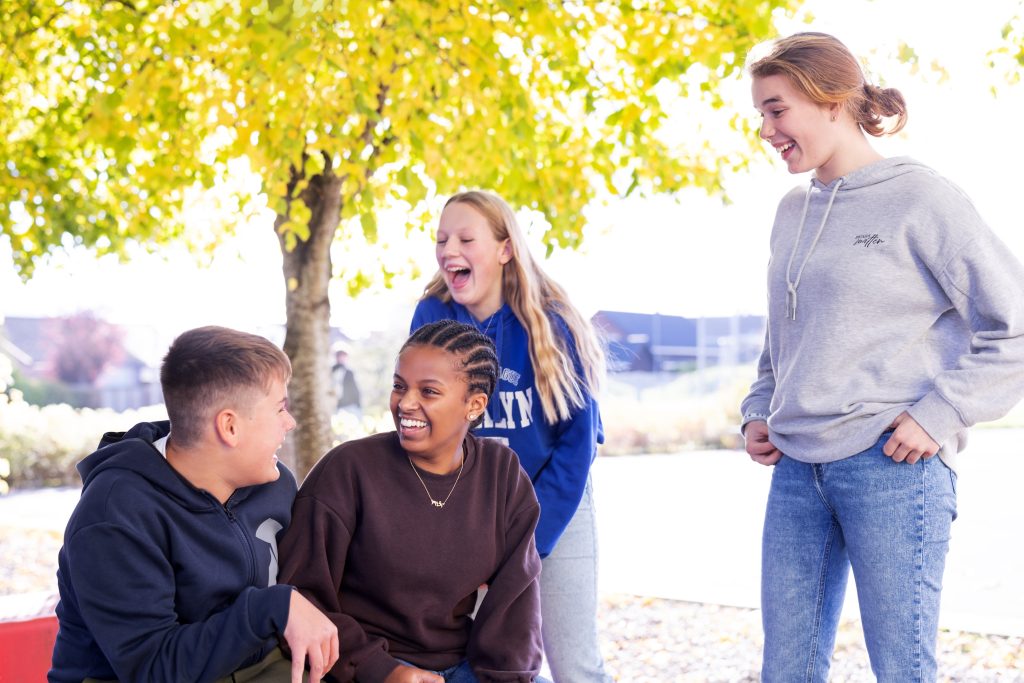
[
  {"x": 428, "y": 380},
  {"x": 775, "y": 99}
]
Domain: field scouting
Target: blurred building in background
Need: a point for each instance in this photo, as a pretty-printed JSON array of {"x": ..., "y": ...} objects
[{"x": 652, "y": 342}]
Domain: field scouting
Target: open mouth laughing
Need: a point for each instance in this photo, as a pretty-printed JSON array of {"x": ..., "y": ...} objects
[
  {"x": 457, "y": 275},
  {"x": 409, "y": 426}
]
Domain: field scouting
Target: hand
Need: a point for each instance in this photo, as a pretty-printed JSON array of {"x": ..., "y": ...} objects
[
  {"x": 310, "y": 634},
  {"x": 410, "y": 674},
  {"x": 909, "y": 442},
  {"x": 759, "y": 447}
]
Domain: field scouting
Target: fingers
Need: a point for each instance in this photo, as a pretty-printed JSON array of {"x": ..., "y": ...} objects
[
  {"x": 904, "y": 447},
  {"x": 890, "y": 447},
  {"x": 310, "y": 635},
  {"x": 325, "y": 654},
  {"x": 758, "y": 445},
  {"x": 899, "y": 419},
  {"x": 768, "y": 459},
  {"x": 316, "y": 665},
  {"x": 331, "y": 653}
]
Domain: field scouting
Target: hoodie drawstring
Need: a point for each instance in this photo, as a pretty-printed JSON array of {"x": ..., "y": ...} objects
[{"x": 793, "y": 284}]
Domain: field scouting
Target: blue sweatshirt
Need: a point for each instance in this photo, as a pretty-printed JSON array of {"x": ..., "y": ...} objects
[
  {"x": 557, "y": 457},
  {"x": 160, "y": 582}
]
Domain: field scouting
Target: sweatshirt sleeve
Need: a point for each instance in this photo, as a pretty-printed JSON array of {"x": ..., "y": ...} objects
[
  {"x": 985, "y": 283},
  {"x": 505, "y": 643},
  {"x": 313, "y": 554},
  {"x": 757, "y": 404},
  {"x": 561, "y": 482},
  {"x": 125, "y": 588}
]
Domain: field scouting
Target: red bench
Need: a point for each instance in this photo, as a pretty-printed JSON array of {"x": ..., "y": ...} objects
[{"x": 28, "y": 629}]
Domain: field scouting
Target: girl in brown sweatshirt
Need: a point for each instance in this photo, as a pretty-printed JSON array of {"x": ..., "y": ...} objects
[{"x": 392, "y": 535}]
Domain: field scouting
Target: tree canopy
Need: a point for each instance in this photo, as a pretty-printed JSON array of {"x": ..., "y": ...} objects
[{"x": 114, "y": 111}]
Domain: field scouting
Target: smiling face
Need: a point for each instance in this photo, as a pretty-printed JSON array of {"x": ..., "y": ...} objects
[
  {"x": 471, "y": 259},
  {"x": 802, "y": 131},
  {"x": 263, "y": 426},
  {"x": 432, "y": 408}
]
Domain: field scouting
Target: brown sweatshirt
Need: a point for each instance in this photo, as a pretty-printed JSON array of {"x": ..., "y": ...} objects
[{"x": 399, "y": 576}]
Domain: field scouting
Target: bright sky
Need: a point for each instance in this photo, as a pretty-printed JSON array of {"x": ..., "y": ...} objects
[{"x": 694, "y": 257}]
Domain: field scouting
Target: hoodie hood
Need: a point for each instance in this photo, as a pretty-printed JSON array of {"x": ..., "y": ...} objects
[
  {"x": 875, "y": 173},
  {"x": 134, "y": 451},
  {"x": 493, "y": 327}
]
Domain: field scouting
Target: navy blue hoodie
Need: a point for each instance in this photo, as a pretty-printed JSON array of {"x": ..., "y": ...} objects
[
  {"x": 557, "y": 457},
  {"x": 159, "y": 581}
]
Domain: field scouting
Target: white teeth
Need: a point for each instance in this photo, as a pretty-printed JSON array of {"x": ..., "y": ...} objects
[
  {"x": 409, "y": 422},
  {"x": 457, "y": 269},
  {"x": 786, "y": 147}
]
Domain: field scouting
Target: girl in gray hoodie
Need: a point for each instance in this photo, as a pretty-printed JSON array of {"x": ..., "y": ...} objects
[{"x": 895, "y": 321}]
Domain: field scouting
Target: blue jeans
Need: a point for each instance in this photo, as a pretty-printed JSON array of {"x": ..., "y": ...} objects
[
  {"x": 460, "y": 673},
  {"x": 463, "y": 673},
  {"x": 890, "y": 522},
  {"x": 568, "y": 601}
]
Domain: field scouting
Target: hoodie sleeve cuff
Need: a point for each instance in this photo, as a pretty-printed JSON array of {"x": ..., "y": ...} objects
[
  {"x": 752, "y": 415},
  {"x": 376, "y": 667},
  {"x": 937, "y": 417},
  {"x": 272, "y": 617}
]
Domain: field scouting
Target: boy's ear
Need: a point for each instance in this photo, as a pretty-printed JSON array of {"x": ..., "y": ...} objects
[{"x": 227, "y": 423}]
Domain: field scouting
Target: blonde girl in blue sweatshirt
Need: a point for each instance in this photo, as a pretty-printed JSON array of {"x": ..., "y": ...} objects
[
  {"x": 895, "y": 321},
  {"x": 544, "y": 407}
]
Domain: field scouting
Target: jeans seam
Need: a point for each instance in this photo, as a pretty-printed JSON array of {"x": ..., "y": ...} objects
[
  {"x": 819, "y": 602},
  {"x": 922, "y": 532},
  {"x": 817, "y": 471}
]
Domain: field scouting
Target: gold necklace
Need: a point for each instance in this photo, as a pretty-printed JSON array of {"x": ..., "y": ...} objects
[
  {"x": 439, "y": 503},
  {"x": 486, "y": 329}
]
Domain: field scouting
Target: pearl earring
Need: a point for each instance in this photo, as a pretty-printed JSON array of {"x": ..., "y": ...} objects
[{"x": 471, "y": 417}]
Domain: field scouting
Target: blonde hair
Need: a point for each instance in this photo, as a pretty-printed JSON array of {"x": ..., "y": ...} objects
[
  {"x": 825, "y": 70},
  {"x": 534, "y": 298}
]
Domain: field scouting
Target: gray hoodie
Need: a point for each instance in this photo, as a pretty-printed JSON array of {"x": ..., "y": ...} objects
[{"x": 886, "y": 292}]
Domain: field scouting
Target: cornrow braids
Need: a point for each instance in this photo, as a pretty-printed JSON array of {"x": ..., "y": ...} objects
[{"x": 475, "y": 351}]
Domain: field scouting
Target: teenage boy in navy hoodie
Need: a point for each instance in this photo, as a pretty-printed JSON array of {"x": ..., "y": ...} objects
[{"x": 169, "y": 565}]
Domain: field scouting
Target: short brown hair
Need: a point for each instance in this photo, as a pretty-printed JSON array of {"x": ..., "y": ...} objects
[
  {"x": 823, "y": 69},
  {"x": 207, "y": 368}
]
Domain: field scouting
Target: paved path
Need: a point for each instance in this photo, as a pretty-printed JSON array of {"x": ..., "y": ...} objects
[{"x": 688, "y": 526}]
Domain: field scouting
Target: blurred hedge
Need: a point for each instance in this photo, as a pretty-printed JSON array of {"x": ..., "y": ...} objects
[{"x": 41, "y": 445}]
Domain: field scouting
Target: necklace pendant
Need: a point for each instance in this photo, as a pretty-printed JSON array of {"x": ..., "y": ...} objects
[{"x": 437, "y": 503}]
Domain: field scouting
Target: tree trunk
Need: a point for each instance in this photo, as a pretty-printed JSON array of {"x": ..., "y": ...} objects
[{"x": 307, "y": 274}]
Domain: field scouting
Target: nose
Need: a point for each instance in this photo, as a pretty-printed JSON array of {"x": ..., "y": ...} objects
[
  {"x": 449, "y": 248},
  {"x": 407, "y": 402},
  {"x": 767, "y": 130},
  {"x": 290, "y": 423}
]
